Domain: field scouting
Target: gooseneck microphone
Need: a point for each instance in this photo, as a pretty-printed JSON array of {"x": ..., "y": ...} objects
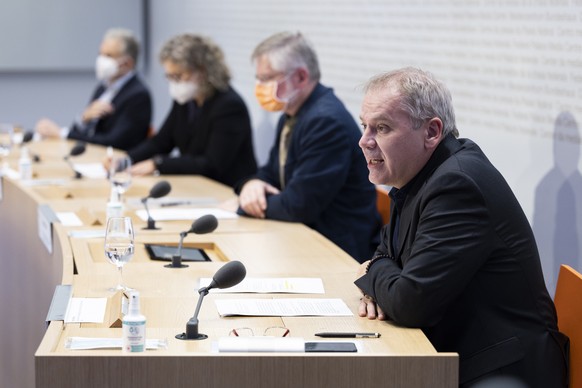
[
  {"x": 78, "y": 149},
  {"x": 230, "y": 274},
  {"x": 26, "y": 138},
  {"x": 159, "y": 190},
  {"x": 205, "y": 224}
]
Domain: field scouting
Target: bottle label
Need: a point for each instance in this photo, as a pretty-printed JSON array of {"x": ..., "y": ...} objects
[
  {"x": 25, "y": 169},
  {"x": 133, "y": 336}
]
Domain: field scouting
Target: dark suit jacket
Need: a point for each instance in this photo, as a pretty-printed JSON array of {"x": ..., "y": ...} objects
[
  {"x": 326, "y": 178},
  {"x": 215, "y": 140},
  {"x": 468, "y": 271},
  {"x": 129, "y": 123}
]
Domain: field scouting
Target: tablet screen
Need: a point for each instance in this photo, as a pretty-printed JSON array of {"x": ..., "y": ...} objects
[{"x": 165, "y": 252}]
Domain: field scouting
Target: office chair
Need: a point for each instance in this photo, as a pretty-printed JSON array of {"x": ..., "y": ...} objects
[{"x": 569, "y": 309}]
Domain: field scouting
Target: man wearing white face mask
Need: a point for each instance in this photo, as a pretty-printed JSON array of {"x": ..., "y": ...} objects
[
  {"x": 315, "y": 173},
  {"x": 120, "y": 111},
  {"x": 209, "y": 122}
]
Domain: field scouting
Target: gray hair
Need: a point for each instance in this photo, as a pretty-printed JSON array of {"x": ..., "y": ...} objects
[
  {"x": 198, "y": 53},
  {"x": 423, "y": 97},
  {"x": 129, "y": 43},
  {"x": 288, "y": 51}
]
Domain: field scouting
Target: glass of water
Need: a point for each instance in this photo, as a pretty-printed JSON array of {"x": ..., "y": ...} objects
[
  {"x": 120, "y": 173},
  {"x": 119, "y": 244}
]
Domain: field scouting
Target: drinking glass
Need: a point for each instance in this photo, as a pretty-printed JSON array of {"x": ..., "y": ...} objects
[
  {"x": 120, "y": 173},
  {"x": 119, "y": 244}
]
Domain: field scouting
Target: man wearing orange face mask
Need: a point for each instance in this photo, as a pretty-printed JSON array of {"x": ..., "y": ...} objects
[{"x": 315, "y": 173}]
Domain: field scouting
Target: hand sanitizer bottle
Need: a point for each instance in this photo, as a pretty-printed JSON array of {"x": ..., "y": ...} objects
[
  {"x": 25, "y": 164},
  {"x": 134, "y": 326},
  {"x": 114, "y": 206}
]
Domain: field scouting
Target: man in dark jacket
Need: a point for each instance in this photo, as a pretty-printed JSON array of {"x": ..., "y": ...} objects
[
  {"x": 458, "y": 258},
  {"x": 316, "y": 173},
  {"x": 120, "y": 110}
]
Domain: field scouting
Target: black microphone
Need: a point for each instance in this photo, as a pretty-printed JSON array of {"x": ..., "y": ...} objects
[
  {"x": 26, "y": 138},
  {"x": 159, "y": 190},
  {"x": 78, "y": 149},
  {"x": 205, "y": 224},
  {"x": 230, "y": 274}
]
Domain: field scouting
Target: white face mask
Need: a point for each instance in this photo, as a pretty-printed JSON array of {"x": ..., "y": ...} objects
[
  {"x": 106, "y": 68},
  {"x": 183, "y": 91}
]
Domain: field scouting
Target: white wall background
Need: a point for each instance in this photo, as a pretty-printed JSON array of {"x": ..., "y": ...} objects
[
  {"x": 54, "y": 35},
  {"x": 513, "y": 68}
]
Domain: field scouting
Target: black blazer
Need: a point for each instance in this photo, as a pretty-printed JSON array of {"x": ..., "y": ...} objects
[
  {"x": 468, "y": 272},
  {"x": 129, "y": 123},
  {"x": 215, "y": 140}
]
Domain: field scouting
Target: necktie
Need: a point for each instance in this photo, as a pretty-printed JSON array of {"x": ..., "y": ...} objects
[{"x": 284, "y": 147}]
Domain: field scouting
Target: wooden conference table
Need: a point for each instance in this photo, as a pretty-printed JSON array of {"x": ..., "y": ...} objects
[{"x": 34, "y": 354}]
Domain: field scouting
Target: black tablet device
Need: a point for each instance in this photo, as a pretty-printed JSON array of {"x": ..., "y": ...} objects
[{"x": 165, "y": 252}]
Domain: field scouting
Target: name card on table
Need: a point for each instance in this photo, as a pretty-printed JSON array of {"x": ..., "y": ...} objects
[
  {"x": 46, "y": 217},
  {"x": 261, "y": 344}
]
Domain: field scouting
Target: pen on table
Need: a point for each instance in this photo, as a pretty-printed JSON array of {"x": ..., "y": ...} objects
[
  {"x": 177, "y": 203},
  {"x": 348, "y": 335}
]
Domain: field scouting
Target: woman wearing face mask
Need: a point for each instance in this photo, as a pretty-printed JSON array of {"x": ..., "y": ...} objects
[{"x": 208, "y": 123}]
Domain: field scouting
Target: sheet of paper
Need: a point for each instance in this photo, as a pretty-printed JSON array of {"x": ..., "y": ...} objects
[
  {"x": 272, "y": 285},
  {"x": 45, "y": 182},
  {"x": 175, "y": 214},
  {"x": 154, "y": 203},
  {"x": 88, "y": 233},
  {"x": 10, "y": 173},
  {"x": 82, "y": 343},
  {"x": 91, "y": 170},
  {"x": 86, "y": 310},
  {"x": 292, "y": 307},
  {"x": 69, "y": 219}
]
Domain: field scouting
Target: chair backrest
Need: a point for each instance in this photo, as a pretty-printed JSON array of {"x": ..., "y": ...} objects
[
  {"x": 569, "y": 308},
  {"x": 383, "y": 204}
]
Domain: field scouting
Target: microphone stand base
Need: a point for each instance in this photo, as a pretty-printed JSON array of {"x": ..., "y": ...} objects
[
  {"x": 151, "y": 223},
  {"x": 176, "y": 260},
  {"x": 182, "y": 336},
  {"x": 176, "y": 266}
]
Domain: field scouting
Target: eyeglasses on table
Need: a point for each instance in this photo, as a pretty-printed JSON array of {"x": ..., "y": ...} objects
[{"x": 272, "y": 331}]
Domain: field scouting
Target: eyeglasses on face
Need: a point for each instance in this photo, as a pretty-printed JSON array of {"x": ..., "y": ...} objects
[
  {"x": 177, "y": 77},
  {"x": 278, "y": 76},
  {"x": 272, "y": 331}
]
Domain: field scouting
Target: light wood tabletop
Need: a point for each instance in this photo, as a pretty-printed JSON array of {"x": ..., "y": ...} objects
[{"x": 36, "y": 353}]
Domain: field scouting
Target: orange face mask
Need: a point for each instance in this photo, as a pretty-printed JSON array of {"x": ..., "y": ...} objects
[{"x": 266, "y": 93}]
